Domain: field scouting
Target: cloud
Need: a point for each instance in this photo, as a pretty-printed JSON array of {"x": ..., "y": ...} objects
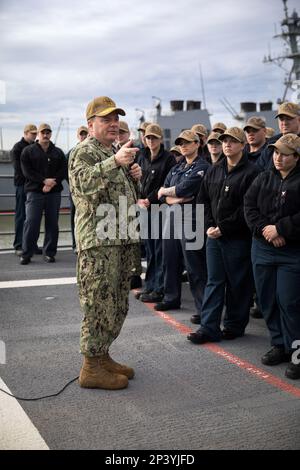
[{"x": 56, "y": 56}]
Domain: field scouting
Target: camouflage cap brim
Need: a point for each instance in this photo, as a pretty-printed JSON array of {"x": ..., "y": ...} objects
[
  {"x": 282, "y": 148},
  {"x": 286, "y": 113},
  {"x": 228, "y": 134}
]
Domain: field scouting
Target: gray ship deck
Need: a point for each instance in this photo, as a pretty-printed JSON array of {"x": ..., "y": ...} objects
[{"x": 183, "y": 397}]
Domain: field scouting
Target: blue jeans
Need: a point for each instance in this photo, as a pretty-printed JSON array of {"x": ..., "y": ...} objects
[
  {"x": 277, "y": 279},
  {"x": 230, "y": 282},
  {"x": 36, "y": 204}
]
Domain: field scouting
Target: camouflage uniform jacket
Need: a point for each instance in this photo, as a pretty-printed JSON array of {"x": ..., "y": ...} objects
[{"x": 95, "y": 180}]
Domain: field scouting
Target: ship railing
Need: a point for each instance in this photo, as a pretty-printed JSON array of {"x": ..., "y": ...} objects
[{"x": 7, "y": 232}]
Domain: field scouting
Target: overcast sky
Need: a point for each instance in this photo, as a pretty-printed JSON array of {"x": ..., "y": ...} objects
[{"x": 56, "y": 56}]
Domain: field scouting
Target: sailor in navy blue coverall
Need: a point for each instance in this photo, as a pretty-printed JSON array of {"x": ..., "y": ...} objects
[
  {"x": 181, "y": 187},
  {"x": 228, "y": 245}
]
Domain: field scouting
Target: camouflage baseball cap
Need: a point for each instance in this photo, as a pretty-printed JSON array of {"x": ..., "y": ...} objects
[
  {"x": 236, "y": 133},
  {"x": 44, "y": 127},
  {"x": 256, "y": 123},
  {"x": 102, "y": 106},
  {"x": 154, "y": 129},
  {"x": 199, "y": 129},
  {"x": 143, "y": 126},
  {"x": 214, "y": 136},
  {"x": 123, "y": 126},
  {"x": 270, "y": 132},
  {"x": 190, "y": 136},
  {"x": 176, "y": 148},
  {"x": 82, "y": 129},
  {"x": 219, "y": 126},
  {"x": 30, "y": 128},
  {"x": 289, "y": 109},
  {"x": 287, "y": 144}
]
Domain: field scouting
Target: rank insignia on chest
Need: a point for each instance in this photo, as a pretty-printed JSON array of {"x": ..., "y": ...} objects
[{"x": 226, "y": 189}]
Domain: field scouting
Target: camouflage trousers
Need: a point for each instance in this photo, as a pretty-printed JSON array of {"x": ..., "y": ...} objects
[{"x": 103, "y": 276}]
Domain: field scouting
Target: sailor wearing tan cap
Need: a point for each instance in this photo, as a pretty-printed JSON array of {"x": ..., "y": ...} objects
[
  {"x": 181, "y": 186},
  {"x": 202, "y": 133},
  {"x": 44, "y": 167},
  {"x": 272, "y": 210},
  {"x": 124, "y": 135},
  {"x": 82, "y": 133},
  {"x": 219, "y": 127},
  {"x": 107, "y": 254},
  {"x": 29, "y": 136},
  {"x": 175, "y": 150},
  {"x": 289, "y": 122},
  {"x": 143, "y": 143},
  {"x": 142, "y": 131},
  {"x": 156, "y": 164},
  {"x": 214, "y": 145},
  {"x": 256, "y": 134},
  {"x": 228, "y": 243},
  {"x": 270, "y": 132},
  {"x": 123, "y": 138},
  {"x": 255, "y": 130}
]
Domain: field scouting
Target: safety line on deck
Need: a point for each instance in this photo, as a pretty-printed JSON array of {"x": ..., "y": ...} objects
[
  {"x": 38, "y": 282},
  {"x": 229, "y": 357}
]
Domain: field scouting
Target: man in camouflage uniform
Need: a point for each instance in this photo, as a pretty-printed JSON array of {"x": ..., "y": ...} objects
[{"x": 98, "y": 177}]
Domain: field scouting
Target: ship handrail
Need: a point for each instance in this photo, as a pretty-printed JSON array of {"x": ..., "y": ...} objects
[{"x": 13, "y": 195}]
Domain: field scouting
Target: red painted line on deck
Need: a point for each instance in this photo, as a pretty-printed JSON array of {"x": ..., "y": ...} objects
[{"x": 229, "y": 357}]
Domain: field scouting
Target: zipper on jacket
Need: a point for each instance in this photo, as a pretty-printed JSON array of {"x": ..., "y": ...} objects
[{"x": 225, "y": 176}]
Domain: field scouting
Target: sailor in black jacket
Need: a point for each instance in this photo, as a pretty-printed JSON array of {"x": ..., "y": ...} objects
[
  {"x": 155, "y": 164},
  {"x": 182, "y": 244},
  {"x": 44, "y": 166},
  {"x": 228, "y": 243},
  {"x": 214, "y": 146},
  {"x": 30, "y": 132},
  {"x": 255, "y": 130},
  {"x": 272, "y": 210},
  {"x": 289, "y": 122}
]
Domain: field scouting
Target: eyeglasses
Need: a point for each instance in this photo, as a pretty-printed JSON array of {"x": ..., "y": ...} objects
[{"x": 46, "y": 132}]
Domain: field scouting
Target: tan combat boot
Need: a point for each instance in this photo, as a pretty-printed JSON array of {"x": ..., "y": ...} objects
[
  {"x": 112, "y": 366},
  {"x": 93, "y": 375}
]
